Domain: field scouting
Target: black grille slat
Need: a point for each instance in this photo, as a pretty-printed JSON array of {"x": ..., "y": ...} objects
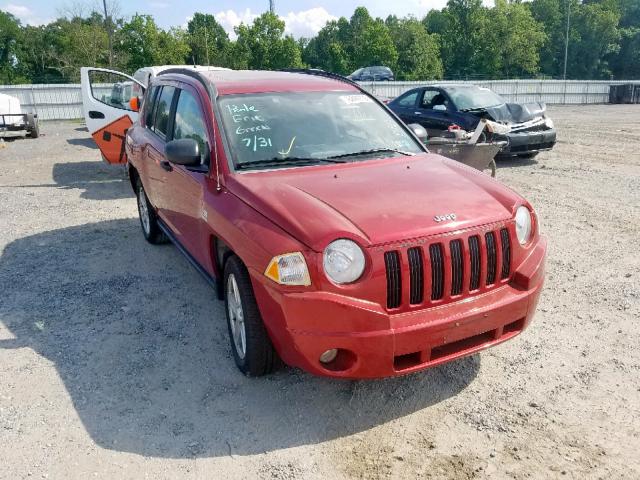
[
  {"x": 457, "y": 268},
  {"x": 474, "y": 254},
  {"x": 394, "y": 279},
  {"x": 416, "y": 276},
  {"x": 437, "y": 271},
  {"x": 506, "y": 253},
  {"x": 490, "y": 239}
]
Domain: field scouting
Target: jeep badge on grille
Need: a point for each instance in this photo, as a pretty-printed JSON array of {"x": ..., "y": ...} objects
[{"x": 442, "y": 218}]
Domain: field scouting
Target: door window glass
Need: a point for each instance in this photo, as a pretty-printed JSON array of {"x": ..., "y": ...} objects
[
  {"x": 148, "y": 106},
  {"x": 428, "y": 97},
  {"x": 111, "y": 89},
  {"x": 409, "y": 100},
  {"x": 189, "y": 122},
  {"x": 161, "y": 124}
]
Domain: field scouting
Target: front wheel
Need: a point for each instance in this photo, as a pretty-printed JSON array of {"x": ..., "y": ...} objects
[{"x": 252, "y": 349}]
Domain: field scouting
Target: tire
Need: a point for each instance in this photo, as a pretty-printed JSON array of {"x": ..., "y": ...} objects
[
  {"x": 34, "y": 128},
  {"x": 252, "y": 349},
  {"x": 148, "y": 218},
  {"x": 528, "y": 155}
]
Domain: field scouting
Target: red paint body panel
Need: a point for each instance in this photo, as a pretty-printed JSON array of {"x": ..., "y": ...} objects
[{"x": 385, "y": 204}]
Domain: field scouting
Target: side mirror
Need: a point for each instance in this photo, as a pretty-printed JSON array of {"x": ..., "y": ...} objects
[
  {"x": 440, "y": 108},
  {"x": 419, "y": 131},
  {"x": 134, "y": 104},
  {"x": 184, "y": 151}
]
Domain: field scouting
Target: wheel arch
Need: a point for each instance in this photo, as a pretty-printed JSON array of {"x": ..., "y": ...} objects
[
  {"x": 220, "y": 253},
  {"x": 133, "y": 175}
]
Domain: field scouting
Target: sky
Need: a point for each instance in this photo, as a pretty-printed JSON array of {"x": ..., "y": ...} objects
[{"x": 303, "y": 18}]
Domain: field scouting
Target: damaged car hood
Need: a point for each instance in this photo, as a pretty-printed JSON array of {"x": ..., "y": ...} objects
[{"x": 515, "y": 113}]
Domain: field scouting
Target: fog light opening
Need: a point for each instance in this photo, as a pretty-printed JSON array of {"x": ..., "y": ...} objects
[
  {"x": 329, "y": 356},
  {"x": 337, "y": 360}
]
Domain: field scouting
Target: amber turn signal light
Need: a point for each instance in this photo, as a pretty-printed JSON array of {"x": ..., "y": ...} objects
[{"x": 134, "y": 104}]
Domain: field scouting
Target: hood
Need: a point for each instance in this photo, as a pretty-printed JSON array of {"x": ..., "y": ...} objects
[
  {"x": 515, "y": 113},
  {"x": 376, "y": 201}
]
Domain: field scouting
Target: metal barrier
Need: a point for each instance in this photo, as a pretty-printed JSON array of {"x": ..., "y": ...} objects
[{"x": 63, "y": 101}]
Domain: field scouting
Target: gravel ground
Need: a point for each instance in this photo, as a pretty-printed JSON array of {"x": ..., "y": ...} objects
[{"x": 114, "y": 359}]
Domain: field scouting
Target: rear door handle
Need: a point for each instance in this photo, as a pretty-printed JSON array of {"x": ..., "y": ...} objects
[
  {"x": 417, "y": 113},
  {"x": 166, "y": 166}
]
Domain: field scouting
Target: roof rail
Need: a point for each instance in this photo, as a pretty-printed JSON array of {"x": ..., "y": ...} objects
[
  {"x": 190, "y": 73},
  {"x": 321, "y": 73}
]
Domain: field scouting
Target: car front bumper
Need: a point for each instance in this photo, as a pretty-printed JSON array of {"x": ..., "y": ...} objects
[
  {"x": 376, "y": 344},
  {"x": 527, "y": 142}
]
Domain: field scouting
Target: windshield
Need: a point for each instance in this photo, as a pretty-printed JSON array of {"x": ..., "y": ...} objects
[
  {"x": 310, "y": 126},
  {"x": 474, "y": 98}
]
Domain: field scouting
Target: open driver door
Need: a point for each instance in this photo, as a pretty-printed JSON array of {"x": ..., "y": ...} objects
[{"x": 108, "y": 110}]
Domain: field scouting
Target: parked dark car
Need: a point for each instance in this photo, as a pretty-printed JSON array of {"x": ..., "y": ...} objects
[
  {"x": 438, "y": 107},
  {"x": 372, "y": 74}
]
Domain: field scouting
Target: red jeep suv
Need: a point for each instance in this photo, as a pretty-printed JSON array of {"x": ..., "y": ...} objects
[{"x": 338, "y": 242}]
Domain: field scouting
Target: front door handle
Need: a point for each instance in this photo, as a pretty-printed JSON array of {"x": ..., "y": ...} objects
[
  {"x": 166, "y": 166},
  {"x": 417, "y": 113}
]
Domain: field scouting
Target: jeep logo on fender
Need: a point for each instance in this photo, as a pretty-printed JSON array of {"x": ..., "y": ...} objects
[{"x": 442, "y": 218}]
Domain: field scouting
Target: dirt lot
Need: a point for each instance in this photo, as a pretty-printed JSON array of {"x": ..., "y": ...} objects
[{"x": 114, "y": 359}]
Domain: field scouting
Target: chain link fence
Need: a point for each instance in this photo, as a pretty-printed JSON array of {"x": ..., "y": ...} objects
[{"x": 64, "y": 101}]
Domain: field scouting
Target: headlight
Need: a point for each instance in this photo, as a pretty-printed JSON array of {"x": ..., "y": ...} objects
[
  {"x": 548, "y": 122},
  {"x": 343, "y": 261},
  {"x": 523, "y": 224},
  {"x": 288, "y": 269}
]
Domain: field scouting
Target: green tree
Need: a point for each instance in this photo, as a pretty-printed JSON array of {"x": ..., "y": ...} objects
[
  {"x": 418, "y": 51},
  {"x": 263, "y": 45},
  {"x": 208, "y": 41},
  {"x": 370, "y": 42},
  {"x": 10, "y": 38},
  {"x": 38, "y": 54},
  {"x": 513, "y": 39},
  {"x": 79, "y": 42},
  {"x": 461, "y": 27},
  {"x": 626, "y": 62},
  {"x": 596, "y": 38},
  {"x": 593, "y": 37},
  {"x": 327, "y": 50},
  {"x": 141, "y": 44}
]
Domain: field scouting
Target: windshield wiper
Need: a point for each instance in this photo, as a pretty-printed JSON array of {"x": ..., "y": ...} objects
[
  {"x": 277, "y": 161},
  {"x": 373, "y": 150}
]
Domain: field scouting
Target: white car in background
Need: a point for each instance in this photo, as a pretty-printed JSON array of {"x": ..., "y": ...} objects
[
  {"x": 101, "y": 86},
  {"x": 13, "y": 120}
]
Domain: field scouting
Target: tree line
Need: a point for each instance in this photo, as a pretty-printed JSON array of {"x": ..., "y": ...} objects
[{"x": 513, "y": 39}]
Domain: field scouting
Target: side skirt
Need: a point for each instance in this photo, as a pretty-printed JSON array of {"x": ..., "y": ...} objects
[{"x": 194, "y": 263}]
